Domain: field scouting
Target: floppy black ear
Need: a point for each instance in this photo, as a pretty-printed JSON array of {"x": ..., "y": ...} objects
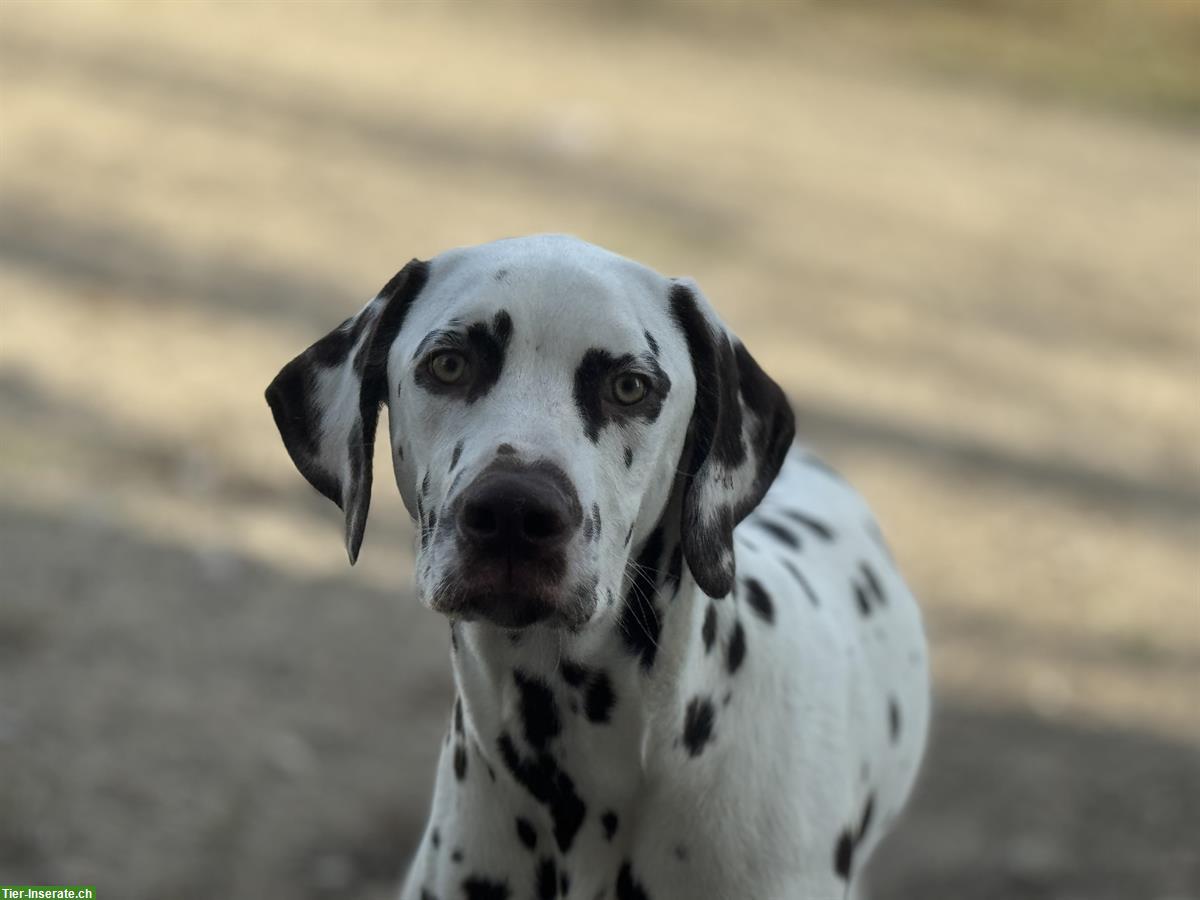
[
  {"x": 740, "y": 432},
  {"x": 326, "y": 400}
]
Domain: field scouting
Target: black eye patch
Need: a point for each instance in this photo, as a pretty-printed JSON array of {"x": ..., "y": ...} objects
[
  {"x": 594, "y": 374},
  {"x": 484, "y": 344}
]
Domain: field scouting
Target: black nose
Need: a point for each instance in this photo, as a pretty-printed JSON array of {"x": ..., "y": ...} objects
[{"x": 519, "y": 514}]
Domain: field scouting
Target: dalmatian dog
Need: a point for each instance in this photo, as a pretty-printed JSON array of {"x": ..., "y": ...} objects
[{"x": 686, "y": 666}]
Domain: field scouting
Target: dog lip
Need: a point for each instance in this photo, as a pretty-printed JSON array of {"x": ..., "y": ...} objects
[
  {"x": 510, "y": 609},
  {"x": 507, "y": 596},
  {"x": 502, "y": 607}
]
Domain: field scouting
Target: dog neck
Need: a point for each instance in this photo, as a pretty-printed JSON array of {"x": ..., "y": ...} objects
[{"x": 597, "y": 702}]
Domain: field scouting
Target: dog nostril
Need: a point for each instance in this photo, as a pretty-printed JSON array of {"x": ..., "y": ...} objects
[
  {"x": 519, "y": 513},
  {"x": 539, "y": 524},
  {"x": 480, "y": 519}
]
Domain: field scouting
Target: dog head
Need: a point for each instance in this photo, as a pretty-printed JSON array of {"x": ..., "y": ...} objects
[{"x": 549, "y": 403}]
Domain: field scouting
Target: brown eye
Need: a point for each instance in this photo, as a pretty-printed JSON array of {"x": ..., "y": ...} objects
[
  {"x": 629, "y": 389},
  {"x": 448, "y": 367}
]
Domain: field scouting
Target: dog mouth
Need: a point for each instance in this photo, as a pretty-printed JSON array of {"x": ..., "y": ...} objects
[
  {"x": 505, "y": 609},
  {"x": 508, "y": 600},
  {"x": 514, "y": 598}
]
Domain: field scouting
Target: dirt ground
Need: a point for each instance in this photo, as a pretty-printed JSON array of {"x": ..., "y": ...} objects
[{"x": 983, "y": 305}]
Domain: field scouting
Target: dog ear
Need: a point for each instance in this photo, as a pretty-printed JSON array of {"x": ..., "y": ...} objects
[
  {"x": 326, "y": 400},
  {"x": 740, "y": 432}
]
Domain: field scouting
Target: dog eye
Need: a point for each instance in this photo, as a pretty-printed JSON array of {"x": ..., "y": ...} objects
[
  {"x": 448, "y": 367},
  {"x": 629, "y": 389}
]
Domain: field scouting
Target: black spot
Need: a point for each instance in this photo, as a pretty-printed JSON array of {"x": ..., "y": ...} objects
[
  {"x": 539, "y": 712},
  {"x": 628, "y": 457},
  {"x": 541, "y": 776},
  {"x": 651, "y": 342},
  {"x": 609, "y": 821},
  {"x": 460, "y": 761},
  {"x": 425, "y": 484},
  {"x": 629, "y": 534},
  {"x": 589, "y": 528},
  {"x": 868, "y": 593},
  {"x": 893, "y": 719},
  {"x": 564, "y": 883},
  {"x": 428, "y": 895},
  {"x": 639, "y": 621},
  {"x": 527, "y": 833},
  {"x": 599, "y": 698},
  {"x": 485, "y": 345},
  {"x": 572, "y": 673},
  {"x": 849, "y": 840},
  {"x": 820, "y": 529},
  {"x": 458, "y": 715},
  {"x": 454, "y": 456},
  {"x": 865, "y": 822},
  {"x": 435, "y": 838},
  {"x": 547, "y": 880},
  {"x": 590, "y": 376},
  {"x": 873, "y": 584},
  {"x": 489, "y": 354},
  {"x": 456, "y": 856},
  {"x": 802, "y": 581},
  {"x": 596, "y": 516},
  {"x": 783, "y": 535},
  {"x": 681, "y": 852},
  {"x": 843, "y": 855},
  {"x": 759, "y": 601},
  {"x": 591, "y": 385},
  {"x": 627, "y": 886},
  {"x": 698, "y": 724},
  {"x": 737, "y": 647},
  {"x": 478, "y": 888},
  {"x": 860, "y": 597},
  {"x": 506, "y": 450},
  {"x": 501, "y": 275},
  {"x": 709, "y": 631}
]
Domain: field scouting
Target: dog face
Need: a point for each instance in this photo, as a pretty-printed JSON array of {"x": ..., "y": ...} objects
[{"x": 548, "y": 403}]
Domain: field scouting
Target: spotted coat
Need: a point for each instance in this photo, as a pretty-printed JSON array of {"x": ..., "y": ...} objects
[{"x": 695, "y": 671}]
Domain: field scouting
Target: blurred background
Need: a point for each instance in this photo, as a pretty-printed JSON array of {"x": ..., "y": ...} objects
[{"x": 962, "y": 235}]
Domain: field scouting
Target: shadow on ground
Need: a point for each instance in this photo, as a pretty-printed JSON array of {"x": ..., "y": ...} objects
[{"x": 267, "y": 734}]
